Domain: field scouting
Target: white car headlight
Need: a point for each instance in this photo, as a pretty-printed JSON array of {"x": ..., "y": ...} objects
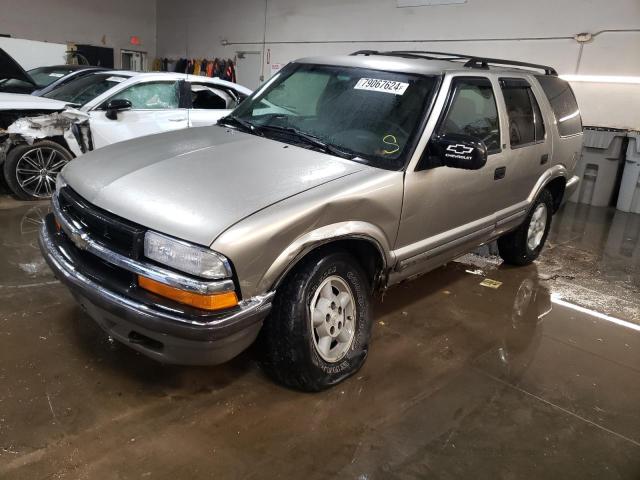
[{"x": 187, "y": 258}]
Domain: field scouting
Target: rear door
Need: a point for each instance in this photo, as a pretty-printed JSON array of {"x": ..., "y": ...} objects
[
  {"x": 567, "y": 138},
  {"x": 528, "y": 147},
  {"x": 155, "y": 108}
]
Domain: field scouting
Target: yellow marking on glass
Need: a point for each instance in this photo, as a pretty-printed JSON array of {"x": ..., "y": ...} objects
[{"x": 391, "y": 140}]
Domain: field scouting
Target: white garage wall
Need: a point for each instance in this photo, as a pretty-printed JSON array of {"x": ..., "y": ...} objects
[
  {"x": 95, "y": 22},
  {"x": 33, "y": 53},
  {"x": 540, "y": 31}
]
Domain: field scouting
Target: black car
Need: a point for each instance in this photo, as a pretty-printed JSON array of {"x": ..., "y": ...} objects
[{"x": 37, "y": 81}]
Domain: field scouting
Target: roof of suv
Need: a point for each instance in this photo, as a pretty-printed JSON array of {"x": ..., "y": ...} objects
[{"x": 426, "y": 63}]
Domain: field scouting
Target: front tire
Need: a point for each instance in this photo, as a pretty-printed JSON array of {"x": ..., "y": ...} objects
[
  {"x": 523, "y": 245},
  {"x": 31, "y": 170},
  {"x": 318, "y": 331}
]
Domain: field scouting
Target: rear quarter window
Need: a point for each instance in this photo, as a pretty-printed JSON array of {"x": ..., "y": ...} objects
[{"x": 563, "y": 103}]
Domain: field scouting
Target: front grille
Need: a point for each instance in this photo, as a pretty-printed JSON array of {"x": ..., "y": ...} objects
[
  {"x": 113, "y": 232},
  {"x": 122, "y": 282}
]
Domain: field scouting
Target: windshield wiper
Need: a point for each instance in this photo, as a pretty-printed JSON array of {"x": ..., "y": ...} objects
[
  {"x": 313, "y": 141},
  {"x": 238, "y": 122}
]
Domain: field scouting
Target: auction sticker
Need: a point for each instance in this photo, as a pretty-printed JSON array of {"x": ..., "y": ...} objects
[{"x": 386, "y": 86}]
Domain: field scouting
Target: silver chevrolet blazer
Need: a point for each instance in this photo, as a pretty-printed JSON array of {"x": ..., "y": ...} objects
[{"x": 337, "y": 178}]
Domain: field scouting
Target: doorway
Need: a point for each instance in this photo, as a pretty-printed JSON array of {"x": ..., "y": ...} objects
[
  {"x": 249, "y": 69},
  {"x": 133, "y": 60}
]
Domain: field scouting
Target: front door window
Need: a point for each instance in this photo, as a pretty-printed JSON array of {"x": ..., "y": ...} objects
[
  {"x": 151, "y": 96},
  {"x": 472, "y": 111}
]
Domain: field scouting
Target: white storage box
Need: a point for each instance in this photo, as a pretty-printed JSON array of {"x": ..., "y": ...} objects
[
  {"x": 598, "y": 166},
  {"x": 629, "y": 197}
]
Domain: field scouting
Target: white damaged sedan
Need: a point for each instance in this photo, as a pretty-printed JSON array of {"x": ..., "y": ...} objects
[{"x": 99, "y": 109}]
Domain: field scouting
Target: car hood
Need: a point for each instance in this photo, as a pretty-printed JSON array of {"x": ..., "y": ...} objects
[
  {"x": 196, "y": 183},
  {"x": 20, "y": 101},
  {"x": 9, "y": 68}
]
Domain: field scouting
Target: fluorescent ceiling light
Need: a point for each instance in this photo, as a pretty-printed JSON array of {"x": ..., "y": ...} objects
[
  {"x": 601, "y": 78},
  {"x": 426, "y": 3}
]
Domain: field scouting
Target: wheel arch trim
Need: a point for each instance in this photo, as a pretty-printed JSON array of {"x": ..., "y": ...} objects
[
  {"x": 557, "y": 171},
  {"x": 306, "y": 243}
]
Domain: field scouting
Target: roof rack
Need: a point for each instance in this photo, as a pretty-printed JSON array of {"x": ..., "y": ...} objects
[{"x": 472, "y": 61}]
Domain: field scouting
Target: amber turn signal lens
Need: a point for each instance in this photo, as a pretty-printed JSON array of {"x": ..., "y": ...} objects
[{"x": 215, "y": 301}]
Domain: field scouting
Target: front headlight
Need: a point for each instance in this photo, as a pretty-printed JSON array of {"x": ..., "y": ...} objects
[{"x": 187, "y": 258}]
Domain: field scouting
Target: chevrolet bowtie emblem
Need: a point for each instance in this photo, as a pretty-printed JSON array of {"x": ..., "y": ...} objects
[{"x": 460, "y": 149}]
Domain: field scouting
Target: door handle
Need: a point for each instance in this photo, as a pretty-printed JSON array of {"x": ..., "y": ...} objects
[
  {"x": 544, "y": 159},
  {"x": 499, "y": 173},
  {"x": 181, "y": 119}
]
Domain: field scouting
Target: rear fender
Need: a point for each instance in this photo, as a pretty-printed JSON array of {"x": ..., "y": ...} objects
[{"x": 552, "y": 173}]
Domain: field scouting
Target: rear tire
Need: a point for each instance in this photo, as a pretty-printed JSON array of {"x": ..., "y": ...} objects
[
  {"x": 523, "y": 245},
  {"x": 318, "y": 331},
  {"x": 31, "y": 170}
]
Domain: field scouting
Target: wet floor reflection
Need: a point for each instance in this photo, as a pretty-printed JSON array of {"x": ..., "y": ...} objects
[
  {"x": 593, "y": 259},
  {"x": 610, "y": 234},
  {"x": 19, "y": 254},
  {"x": 462, "y": 381}
]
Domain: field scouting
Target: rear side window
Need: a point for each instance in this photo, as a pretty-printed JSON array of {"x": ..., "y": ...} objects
[
  {"x": 207, "y": 98},
  {"x": 472, "y": 111},
  {"x": 525, "y": 120},
  {"x": 563, "y": 103}
]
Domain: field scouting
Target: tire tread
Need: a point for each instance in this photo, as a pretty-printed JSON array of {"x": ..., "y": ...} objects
[
  {"x": 282, "y": 343},
  {"x": 513, "y": 245}
]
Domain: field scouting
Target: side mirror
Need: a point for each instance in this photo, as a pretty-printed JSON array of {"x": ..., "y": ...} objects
[
  {"x": 116, "y": 105},
  {"x": 456, "y": 151}
]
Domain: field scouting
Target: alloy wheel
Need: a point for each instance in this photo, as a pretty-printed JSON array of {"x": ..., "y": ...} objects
[
  {"x": 333, "y": 319},
  {"x": 37, "y": 169},
  {"x": 537, "y": 226}
]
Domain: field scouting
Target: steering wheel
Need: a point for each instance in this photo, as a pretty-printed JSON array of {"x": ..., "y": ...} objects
[{"x": 491, "y": 134}]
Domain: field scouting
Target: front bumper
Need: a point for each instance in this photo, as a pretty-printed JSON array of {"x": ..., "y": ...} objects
[{"x": 156, "y": 330}]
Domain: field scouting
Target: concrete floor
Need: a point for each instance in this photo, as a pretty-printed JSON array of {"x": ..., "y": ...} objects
[{"x": 463, "y": 381}]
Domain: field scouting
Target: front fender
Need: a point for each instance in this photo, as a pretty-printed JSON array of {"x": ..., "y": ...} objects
[{"x": 266, "y": 245}]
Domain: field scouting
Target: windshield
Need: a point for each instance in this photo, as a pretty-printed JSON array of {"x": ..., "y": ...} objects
[
  {"x": 371, "y": 114},
  {"x": 83, "y": 90},
  {"x": 44, "y": 76}
]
